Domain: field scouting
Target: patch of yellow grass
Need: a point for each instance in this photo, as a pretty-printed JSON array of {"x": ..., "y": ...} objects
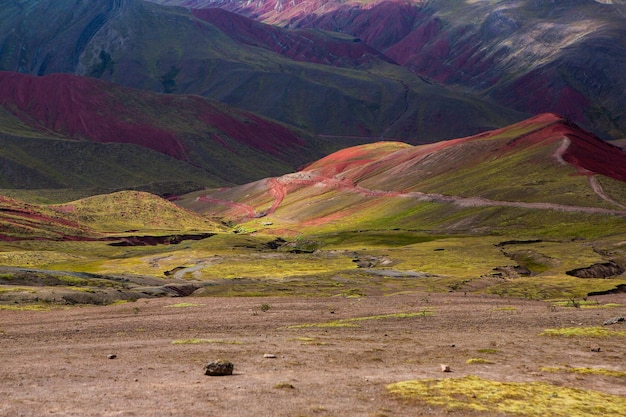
[
  {"x": 323, "y": 325},
  {"x": 350, "y": 322},
  {"x": 530, "y": 399},
  {"x": 26, "y": 307},
  {"x": 596, "y": 331},
  {"x": 584, "y": 304},
  {"x": 477, "y": 361},
  {"x": 183, "y": 305},
  {"x": 199, "y": 341},
  {"x": 586, "y": 371}
]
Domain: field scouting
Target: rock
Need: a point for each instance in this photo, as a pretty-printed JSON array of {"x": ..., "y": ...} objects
[
  {"x": 511, "y": 271},
  {"x": 111, "y": 356},
  {"x": 600, "y": 270},
  {"x": 595, "y": 348},
  {"x": 269, "y": 356},
  {"x": 372, "y": 261},
  {"x": 445, "y": 368},
  {"x": 613, "y": 321},
  {"x": 219, "y": 368}
]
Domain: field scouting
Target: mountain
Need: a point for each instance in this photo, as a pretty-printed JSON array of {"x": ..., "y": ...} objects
[
  {"x": 542, "y": 176},
  {"x": 561, "y": 56},
  {"x": 326, "y": 83},
  {"x": 65, "y": 131}
]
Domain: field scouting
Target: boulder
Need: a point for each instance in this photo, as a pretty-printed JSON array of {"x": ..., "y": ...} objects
[{"x": 219, "y": 368}]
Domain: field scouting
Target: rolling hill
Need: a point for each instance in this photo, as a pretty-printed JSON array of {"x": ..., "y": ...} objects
[
  {"x": 542, "y": 176},
  {"x": 110, "y": 217},
  {"x": 564, "y": 56},
  {"x": 65, "y": 131}
]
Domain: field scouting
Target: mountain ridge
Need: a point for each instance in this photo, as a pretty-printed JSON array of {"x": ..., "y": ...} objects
[
  {"x": 545, "y": 163},
  {"x": 169, "y": 50},
  {"x": 205, "y": 135},
  {"x": 501, "y": 50}
]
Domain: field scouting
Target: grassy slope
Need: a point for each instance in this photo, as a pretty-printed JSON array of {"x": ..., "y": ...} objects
[
  {"x": 159, "y": 143},
  {"x": 97, "y": 217}
]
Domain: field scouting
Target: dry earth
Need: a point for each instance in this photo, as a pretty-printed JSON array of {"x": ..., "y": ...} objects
[{"x": 55, "y": 363}]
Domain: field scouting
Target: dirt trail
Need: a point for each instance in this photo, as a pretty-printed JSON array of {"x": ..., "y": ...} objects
[
  {"x": 249, "y": 210},
  {"x": 278, "y": 189},
  {"x": 597, "y": 188},
  {"x": 460, "y": 201},
  {"x": 196, "y": 270},
  {"x": 558, "y": 154}
]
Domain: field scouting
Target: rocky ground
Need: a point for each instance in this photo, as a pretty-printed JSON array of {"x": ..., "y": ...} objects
[{"x": 137, "y": 359}]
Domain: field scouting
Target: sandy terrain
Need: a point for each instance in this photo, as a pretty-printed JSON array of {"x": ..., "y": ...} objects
[{"x": 55, "y": 363}]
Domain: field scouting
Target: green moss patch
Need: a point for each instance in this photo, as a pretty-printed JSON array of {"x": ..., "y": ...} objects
[
  {"x": 26, "y": 307},
  {"x": 584, "y": 304},
  {"x": 517, "y": 398}
]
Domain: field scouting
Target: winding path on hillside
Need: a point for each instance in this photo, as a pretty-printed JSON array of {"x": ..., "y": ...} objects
[
  {"x": 305, "y": 178},
  {"x": 278, "y": 188},
  {"x": 247, "y": 209},
  {"x": 593, "y": 180},
  {"x": 597, "y": 188}
]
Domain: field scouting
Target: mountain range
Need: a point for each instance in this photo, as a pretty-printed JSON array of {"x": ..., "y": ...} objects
[
  {"x": 284, "y": 83},
  {"x": 560, "y": 56},
  {"x": 66, "y": 131},
  {"x": 326, "y": 83}
]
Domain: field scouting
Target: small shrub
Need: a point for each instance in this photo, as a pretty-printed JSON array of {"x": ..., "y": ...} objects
[
  {"x": 265, "y": 307},
  {"x": 284, "y": 385}
]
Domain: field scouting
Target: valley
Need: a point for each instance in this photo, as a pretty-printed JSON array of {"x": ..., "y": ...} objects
[{"x": 371, "y": 208}]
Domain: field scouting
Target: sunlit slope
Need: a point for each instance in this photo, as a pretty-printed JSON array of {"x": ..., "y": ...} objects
[{"x": 543, "y": 176}]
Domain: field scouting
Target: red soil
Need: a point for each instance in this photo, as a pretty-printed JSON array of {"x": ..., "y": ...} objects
[
  {"x": 590, "y": 154},
  {"x": 83, "y": 109},
  {"x": 249, "y": 211},
  {"x": 86, "y": 109},
  {"x": 300, "y": 45},
  {"x": 253, "y": 131}
]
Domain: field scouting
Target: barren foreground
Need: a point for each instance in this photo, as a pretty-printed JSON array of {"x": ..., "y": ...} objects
[{"x": 55, "y": 363}]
